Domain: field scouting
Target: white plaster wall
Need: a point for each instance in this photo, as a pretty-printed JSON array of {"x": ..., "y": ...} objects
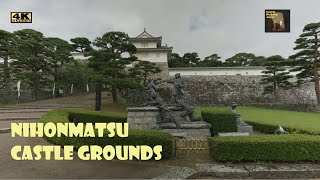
[
  {"x": 146, "y": 44},
  {"x": 78, "y": 56},
  {"x": 219, "y": 71},
  {"x": 156, "y": 56}
]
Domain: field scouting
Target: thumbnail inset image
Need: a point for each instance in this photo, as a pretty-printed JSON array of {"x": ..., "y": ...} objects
[{"x": 277, "y": 20}]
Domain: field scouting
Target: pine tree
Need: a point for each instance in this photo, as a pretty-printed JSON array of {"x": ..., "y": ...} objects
[
  {"x": 144, "y": 69},
  {"x": 240, "y": 59},
  {"x": 307, "y": 59},
  {"x": 81, "y": 44},
  {"x": 7, "y": 52},
  {"x": 211, "y": 61},
  {"x": 31, "y": 64},
  {"x": 276, "y": 75},
  {"x": 114, "y": 53}
]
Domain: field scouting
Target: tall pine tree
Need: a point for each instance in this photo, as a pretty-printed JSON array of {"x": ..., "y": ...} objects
[
  {"x": 114, "y": 53},
  {"x": 307, "y": 59},
  {"x": 7, "y": 52},
  {"x": 31, "y": 64}
]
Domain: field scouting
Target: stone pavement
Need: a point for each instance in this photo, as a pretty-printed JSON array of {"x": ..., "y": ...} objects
[{"x": 31, "y": 112}]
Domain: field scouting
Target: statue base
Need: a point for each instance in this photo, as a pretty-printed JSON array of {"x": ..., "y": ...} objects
[
  {"x": 144, "y": 118},
  {"x": 197, "y": 129}
]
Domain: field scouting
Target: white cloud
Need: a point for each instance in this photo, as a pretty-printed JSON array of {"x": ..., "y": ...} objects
[{"x": 225, "y": 27}]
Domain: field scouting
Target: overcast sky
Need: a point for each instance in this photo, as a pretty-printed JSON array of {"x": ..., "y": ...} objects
[{"x": 225, "y": 27}]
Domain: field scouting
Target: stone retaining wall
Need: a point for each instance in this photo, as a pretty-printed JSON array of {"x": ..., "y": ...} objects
[{"x": 245, "y": 90}]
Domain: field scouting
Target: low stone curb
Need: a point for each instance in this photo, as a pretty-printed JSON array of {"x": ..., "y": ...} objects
[
  {"x": 257, "y": 172},
  {"x": 243, "y": 171},
  {"x": 177, "y": 173},
  {"x": 19, "y": 118},
  {"x": 5, "y": 130}
]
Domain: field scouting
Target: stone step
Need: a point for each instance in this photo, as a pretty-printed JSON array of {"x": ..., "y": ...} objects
[
  {"x": 186, "y": 125},
  {"x": 19, "y": 118},
  {"x": 5, "y": 130},
  {"x": 234, "y": 134},
  {"x": 25, "y": 110},
  {"x": 197, "y": 133}
]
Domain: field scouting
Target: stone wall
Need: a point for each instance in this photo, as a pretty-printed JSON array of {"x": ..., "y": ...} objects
[
  {"x": 245, "y": 90},
  {"x": 164, "y": 70}
]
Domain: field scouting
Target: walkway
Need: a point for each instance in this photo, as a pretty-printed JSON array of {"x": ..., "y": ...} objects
[{"x": 31, "y": 112}]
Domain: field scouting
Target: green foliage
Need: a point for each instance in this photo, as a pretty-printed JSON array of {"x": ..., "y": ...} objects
[
  {"x": 221, "y": 120},
  {"x": 210, "y": 61},
  {"x": 285, "y": 148},
  {"x": 81, "y": 44},
  {"x": 187, "y": 60},
  {"x": 276, "y": 75},
  {"x": 114, "y": 53},
  {"x": 267, "y": 120},
  {"x": 58, "y": 51},
  {"x": 307, "y": 59},
  {"x": 77, "y": 74},
  {"x": 192, "y": 60},
  {"x": 136, "y": 137},
  {"x": 144, "y": 69},
  {"x": 7, "y": 51},
  {"x": 31, "y": 64},
  {"x": 84, "y": 116},
  {"x": 240, "y": 59},
  {"x": 198, "y": 114},
  {"x": 175, "y": 61}
]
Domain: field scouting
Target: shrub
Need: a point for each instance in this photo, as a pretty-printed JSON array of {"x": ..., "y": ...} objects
[
  {"x": 136, "y": 137},
  {"x": 286, "y": 148},
  {"x": 221, "y": 120},
  {"x": 85, "y": 116},
  {"x": 197, "y": 114}
]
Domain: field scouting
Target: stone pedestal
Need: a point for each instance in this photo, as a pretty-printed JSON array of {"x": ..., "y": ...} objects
[
  {"x": 188, "y": 129},
  {"x": 245, "y": 129},
  {"x": 145, "y": 118},
  {"x": 233, "y": 134}
]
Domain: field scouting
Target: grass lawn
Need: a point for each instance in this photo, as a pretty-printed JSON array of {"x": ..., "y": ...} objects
[
  {"x": 107, "y": 105},
  {"x": 306, "y": 121}
]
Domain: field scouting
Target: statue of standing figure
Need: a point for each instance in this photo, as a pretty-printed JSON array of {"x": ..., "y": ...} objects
[
  {"x": 178, "y": 85},
  {"x": 179, "y": 99}
]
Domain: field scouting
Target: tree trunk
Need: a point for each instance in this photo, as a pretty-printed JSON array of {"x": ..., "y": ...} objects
[
  {"x": 6, "y": 72},
  {"x": 316, "y": 70},
  {"x": 114, "y": 94},
  {"x": 56, "y": 90},
  {"x": 98, "y": 97},
  {"x": 275, "y": 86},
  {"x": 36, "y": 82},
  {"x": 316, "y": 81},
  {"x": 145, "y": 80}
]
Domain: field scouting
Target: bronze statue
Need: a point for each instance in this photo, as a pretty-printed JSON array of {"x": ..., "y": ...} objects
[
  {"x": 178, "y": 84},
  {"x": 165, "y": 115}
]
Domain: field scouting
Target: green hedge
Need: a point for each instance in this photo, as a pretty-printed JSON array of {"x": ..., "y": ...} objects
[
  {"x": 271, "y": 128},
  {"x": 221, "y": 120},
  {"x": 136, "y": 137},
  {"x": 84, "y": 116},
  {"x": 285, "y": 148}
]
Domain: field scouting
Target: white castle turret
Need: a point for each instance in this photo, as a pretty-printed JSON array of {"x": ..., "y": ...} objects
[{"x": 149, "y": 48}]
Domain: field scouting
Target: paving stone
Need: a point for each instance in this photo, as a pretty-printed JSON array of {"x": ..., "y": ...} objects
[{"x": 177, "y": 173}]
